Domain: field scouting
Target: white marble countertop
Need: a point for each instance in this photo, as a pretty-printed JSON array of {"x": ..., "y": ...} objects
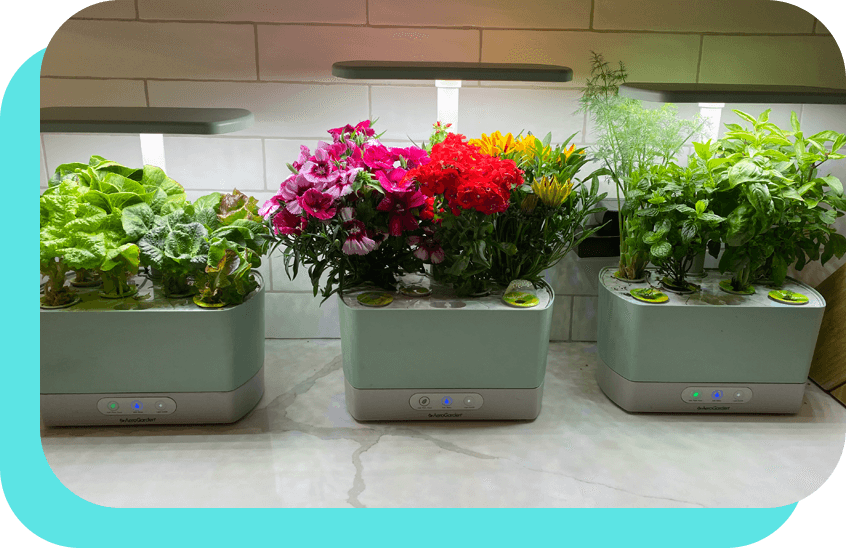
[{"x": 300, "y": 448}]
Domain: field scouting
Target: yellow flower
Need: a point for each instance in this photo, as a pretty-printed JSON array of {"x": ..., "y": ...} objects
[
  {"x": 494, "y": 145},
  {"x": 551, "y": 191},
  {"x": 527, "y": 147},
  {"x": 569, "y": 152}
]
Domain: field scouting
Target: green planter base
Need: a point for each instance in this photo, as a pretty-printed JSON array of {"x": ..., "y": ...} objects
[
  {"x": 202, "y": 366},
  {"x": 446, "y": 349},
  {"x": 707, "y": 352}
]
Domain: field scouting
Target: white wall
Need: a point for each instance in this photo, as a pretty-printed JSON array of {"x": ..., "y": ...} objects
[{"x": 274, "y": 58}]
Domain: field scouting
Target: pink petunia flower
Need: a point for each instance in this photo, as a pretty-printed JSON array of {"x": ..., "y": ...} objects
[
  {"x": 378, "y": 157},
  {"x": 400, "y": 207},
  {"x": 317, "y": 204},
  {"x": 304, "y": 156},
  {"x": 357, "y": 242}
]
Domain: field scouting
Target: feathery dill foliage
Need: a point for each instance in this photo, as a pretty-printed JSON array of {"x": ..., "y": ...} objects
[{"x": 630, "y": 135}]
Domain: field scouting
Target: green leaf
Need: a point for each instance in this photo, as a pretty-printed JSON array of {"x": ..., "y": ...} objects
[
  {"x": 794, "y": 121},
  {"x": 709, "y": 217},
  {"x": 661, "y": 250},
  {"x": 833, "y": 183},
  {"x": 688, "y": 231},
  {"x": 136, "y": 220},
  {"x": 745, "y": 116},
  {"x": 759, "y": 196},
  {"x": 703, "y": 150},
  {"x": 125, "y": 256},
  {"x": 701, "y": 206}
]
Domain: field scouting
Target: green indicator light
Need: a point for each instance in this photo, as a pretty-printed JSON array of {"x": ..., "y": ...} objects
[
  {"x": 113, "y": 405},
  {"x": 696, "y": 394}
]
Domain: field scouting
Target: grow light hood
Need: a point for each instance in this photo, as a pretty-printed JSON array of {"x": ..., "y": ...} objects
[
  {"x": 150, "y": 122},
  {"x": 448, "y": 77},
  {"x": 732, "y": 93},
  {"x": 426, "y": 70},
  {"x": 161, "y": 120}
]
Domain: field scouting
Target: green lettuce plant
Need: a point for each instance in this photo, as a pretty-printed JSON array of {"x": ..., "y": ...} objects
[
  {"x": 70, "y": 239},
  {"x": 177, "y": 245},
  {"x": 238, "y": 238},
  {"x": 778, "y": 208},
  {"x": 631, "y": 138}
]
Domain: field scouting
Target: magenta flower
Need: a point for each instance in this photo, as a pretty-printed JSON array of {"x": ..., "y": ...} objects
[
  {"x": 270, "y": 206},
  {"x": 285, "y": 222},
  {"x": 364, "y": 127},
  {"x": 392, "y": 180},
  {"x": 400, "y": 206},
  {"x": 344, "y": 184},
  {"x": 317, "y": 204},
  {"x": 304, "y": 155},
  {"x": 294, "y": 187},
  {"x": 378, "y": 157},
  {"x": 319, "y": 169},
  {"x": 357, "y": 242},
  {"x": 337, "y": 132},
  {"x": 414, "y": 156}
]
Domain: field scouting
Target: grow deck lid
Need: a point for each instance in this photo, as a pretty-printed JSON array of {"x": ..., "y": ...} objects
[
  {"x": 195, "y": 121},
  {"x": 732, "y": 93},
  {"x": 443, "y": 297},
  {"x": 426, "y": 70},
  {"x": 710, "y": 293}
]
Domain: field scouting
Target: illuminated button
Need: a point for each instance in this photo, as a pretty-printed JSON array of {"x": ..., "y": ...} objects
[
  {"x": 137, "y": 405},
  {"x": 113, "y": 406},
  {"x": 717, "y": 394},
  {"x": 160, "y": 405},
  {"x": 423, "y": 401},
  {"x": 469, "y": 400},
  {"x": 738, "y": 394},
  {"x": 447, "y": 401},
  {"x": 695, "y": 395}
]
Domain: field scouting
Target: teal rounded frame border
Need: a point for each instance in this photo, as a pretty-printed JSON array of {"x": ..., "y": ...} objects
[{"x": 46, "y": 507}]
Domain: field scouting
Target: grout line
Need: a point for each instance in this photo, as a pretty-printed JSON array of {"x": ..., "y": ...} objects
[
  {"x": 44, "y": 157},
  {"x": 801, "y": 114},
  {"x": 592, "y": 11},
  {"x": 369, "y": 103},
  {"x": 699, "y": 60},
  {"x": 584, "y": 126},
  {"x": 814, "y": 28},
  {"x": 367, "y": 12},
  {"x": 146, "y": 93},
  {"x": 137, "y": 12},
  {"x": 258, "y": 70},
  {"x": 481, "y": 33},
  {"x": 572, "y": 318}
]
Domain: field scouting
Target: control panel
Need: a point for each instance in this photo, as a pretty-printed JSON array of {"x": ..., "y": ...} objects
[
  {"x": 428, "y": 401},
  {"x": 136, "y": 406},
  {"x": 717, "y": 394}
]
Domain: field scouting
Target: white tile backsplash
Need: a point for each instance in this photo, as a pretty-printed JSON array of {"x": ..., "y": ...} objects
[
  {"x": 43, "y": 164},
  {"x": 281, "y": 152},
  {"x": 61, "y": 92},
  {"x": 740, "y": 60},
  {"x": 307, "y": 52},
  {"x": 278, "y": 11},
  {"x": 572, "y": 14},
  {"x": 562, "y": 312},
  {"x": 575, "y": 275},
  {"x": 584, "y": 318},
  {"x": 61, "y": 148},
  {"x": 702, "y": 16},
  {"x": 215, "y": 163},
  {"x": 486, "y": 110},
  {"x": 132, "y": 49},
  {"x": 302, "y": 283},
  {"x": 280, "y": 110},
  {"x": 298, "y": 316},
  {"x": 116, "y": 9},
  {"x": 404, "y": 112}
]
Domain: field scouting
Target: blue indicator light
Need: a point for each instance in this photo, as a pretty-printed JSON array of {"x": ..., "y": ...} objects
[
  {"x": 447, "y": 401},
  {"x": 137, "y": 405},
  {"x": 718, "y": 394}
]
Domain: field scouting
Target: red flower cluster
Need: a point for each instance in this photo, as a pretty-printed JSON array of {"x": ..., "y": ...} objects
[{"x": 467, "y": 178}]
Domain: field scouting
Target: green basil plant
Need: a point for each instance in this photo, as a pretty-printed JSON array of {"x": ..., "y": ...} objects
[{"x": 778, "y": 206}]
